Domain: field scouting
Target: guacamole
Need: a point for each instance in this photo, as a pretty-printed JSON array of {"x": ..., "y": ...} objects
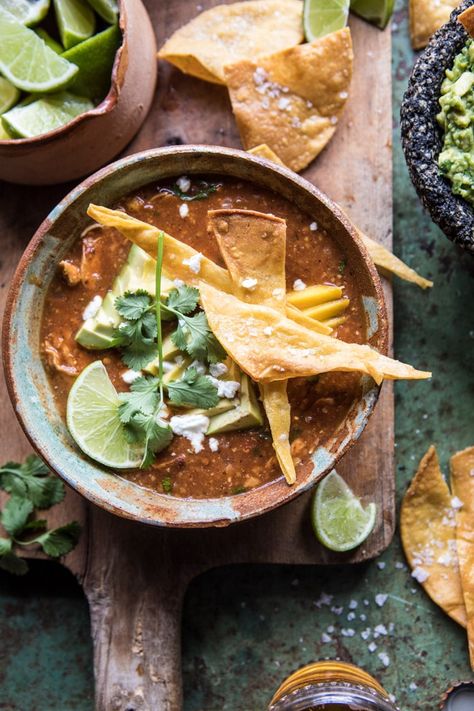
[{"x": 456, "y": 160}]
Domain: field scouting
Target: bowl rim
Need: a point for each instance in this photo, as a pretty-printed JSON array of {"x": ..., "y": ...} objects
[
  {"x": 367, "y": 401},
  {"x": 107, "y": 104},
  {"x": 422, "y": 137}
]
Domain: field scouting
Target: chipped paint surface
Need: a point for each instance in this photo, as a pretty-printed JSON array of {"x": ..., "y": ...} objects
[{"x": 371, "y": 312}]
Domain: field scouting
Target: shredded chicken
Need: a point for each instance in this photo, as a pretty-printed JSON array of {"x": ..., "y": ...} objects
[
  {"x": 71, "y": 272},
  {"x": 59, "y": 356}
]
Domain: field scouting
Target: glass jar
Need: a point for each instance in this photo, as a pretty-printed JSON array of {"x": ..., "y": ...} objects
[{"x": 331, "y": 686}]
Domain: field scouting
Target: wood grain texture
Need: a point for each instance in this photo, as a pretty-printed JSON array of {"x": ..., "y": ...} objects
[{"x": 133, "y": 576}]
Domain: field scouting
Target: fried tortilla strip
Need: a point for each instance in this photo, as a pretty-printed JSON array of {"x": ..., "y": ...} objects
[
  {"x": 462, "y": 486},
  {"x": 428, "y": 532},
  {"x": 230, "y": 33},
  {"x": 386, "y": 260},
  {"x": 176, "y": 253},
  {"x": 292, "y": 100},
  {"x": 466, "y": 19},
  {"x": 263, "y": 151},
  {"x": 269, "y": 347},
  {"x": 253, "y": 246},
  {"x": 427, "y": 16}
]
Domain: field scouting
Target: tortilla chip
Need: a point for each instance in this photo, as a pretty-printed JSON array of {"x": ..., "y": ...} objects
[
  {"x": 427, "y": 16},
  {"x": 428, "y": 532},
  {"x": 269, "y": 347},
  {"x": 230, "y": 33},
  {"x": 292, "y": 100},
  {"x": 466, "y": 19},
  {"x": 386, "y": 260},
  {"x": 263, "y": 151},
  {"x": 462, "y": 486},
  {"x": 253, "y": 246}
]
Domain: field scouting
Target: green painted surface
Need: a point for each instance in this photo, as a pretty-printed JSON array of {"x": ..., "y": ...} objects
[{"x": 245, "y": 628}]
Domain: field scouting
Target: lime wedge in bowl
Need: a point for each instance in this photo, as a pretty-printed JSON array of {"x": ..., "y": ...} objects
[
  {"x": 76, "y": 21},
  {"x": 107, "y": 9},
  {"x": 27, "y": 62},
  {"x": 36, "y": 117},
  {"x": 378, "y": 12},
  {"x": 9, "y": 95},
  {"x": 94, "y": 423},
  {"x": 28, "y": 12},
  {"x": 321, "y": 17},
  {"x": 95, "y": 59},
  {"x": 4, "y": 135},
  {"x": 339, "y": 520}
]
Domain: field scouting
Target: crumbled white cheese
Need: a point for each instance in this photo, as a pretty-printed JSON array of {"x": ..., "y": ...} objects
[
  {"x": 183, "y": 210},
  {"x": 178, "y": 283},
  {"x": 249, "y": 283},
  {"x": 324, "y": 599},
  {"x": 192, "y": 427},
  {"x": 363, "y": 617},
  {"x": 456, "y": 503},
  {"x": 337, "y": 610},
  {"x": 365, "y": 634},
  {"x": 129, "y": 376},
  {"x": 179, "y": 360},
  {"x": 194, "y": 263},
  {"x": 313, "y": 226},
  {"x": 213, "y": 444},
  {"x": 380, "y": 630},
  {"x": 399, "y": 565},
  {"x": 381, "y": 599},
  {"x": 351, "y": 616},
  {"x": 225, "y": 388},
  {"x": 420, "y": 574},
  {"x": 198, "y": 366},
  {"x": 183, "y": 184},
  {"x": 268, "y": 330},
  {"x": 331, "y": 629},
  {"x": 384, "y": 658},
  {"x": 168, "y": 367},
  {"x": 380, "y": 565},
  {"x": 92, "y": 308},
  {"x": 217, "y": 369},
  {"x": 325, "y": 638},
  {"x": 299, "y": 285},
  {"x": 372, "y": 647},
  {"x": 353, "y": 605},
  {"x": 347, "y": 632}
]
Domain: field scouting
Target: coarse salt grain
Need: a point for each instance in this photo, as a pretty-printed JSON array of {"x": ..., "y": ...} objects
[
  {"x": 351, "y": 616},
  {"x": 183, "y": 210},
  {"x": 353, "y": 605},
  {"x": 268, "y": 330},
  {"x": 325, "y": 638},
  {"x": 372, "y": 647},
  {"x": 299, "y": 285},
  {"x": 456, "y": 503},
  {"x": 365, "y": 634},
  {"x": 380, "y": 565},
  {"x": 194, "y": 263}
]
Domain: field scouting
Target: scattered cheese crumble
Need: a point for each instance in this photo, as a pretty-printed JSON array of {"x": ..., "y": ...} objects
[
  {"x": 299, "y": 285},
  {"x": 381, "y": 599},
  {"x": 183, "y": 210},
  {"x": 313, "y": 226},
  {"x": 420, "y": 574},
  {"x": 194, "y": 262},
  {"x": 92, "y": 308},
  {"x": 384, "y": 658},
  {"x": 183, "y": 184},
  {"x": 217, "y": 369},
  {"x": 192, "y": 427},
  {"x": 213, "y": 444},
  {"x": 225, "y": 388},
  {"x": 129, "y": 376}
]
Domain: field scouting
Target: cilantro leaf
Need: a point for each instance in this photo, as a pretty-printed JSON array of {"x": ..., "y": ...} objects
[
  {"x": 183, "y": 299},
  {"x": 205, "y": 190},
  {"x": 133, "y": 305},
  {"x": 45, "y": 492},
  {"x": 194, "y": 333},
  {"x": 139, "y": 356},
  {"x": 12, "y": 564},
  {"x": 194, "y": 390},
  {"x": 167, "y": 485},
  {"x": 36, "y": 525},
  {"x": 155, "y": 434},
  {"x": 60, "y": 541},
  {"x": 142, "y": 397},
  {"x": 32, "y": 480},
  {"x": 15, "y": 515},
  {"x": 5, "y": 546}
]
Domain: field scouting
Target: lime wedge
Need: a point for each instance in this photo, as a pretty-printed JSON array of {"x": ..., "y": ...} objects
[
  {"x": 339, "y": 520},
  {"x": 27, "y": 62},
  {"x": 321, "y": 17},
  {"x": 28, "y": 12},
  {"x": 107, "y": 9},
  {"x": 76, "y": 21},
  {"x": 4, "y": 135},
  {"x": 33, "y": 118},
  {"x": 378, "y": 12},
  {"x": 95, "y": 59},
  {"x": 93, "y": 421},
  {"x": 49, "y": 41},
  {"x": 9, "y": 95}
]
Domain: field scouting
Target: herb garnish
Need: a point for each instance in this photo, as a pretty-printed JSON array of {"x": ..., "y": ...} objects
[
  {"x": 204, "y": 190},
  {"x": 137, "y": 333},
  {"x": 342, "y": 266},
  {"x": 194, "y": 390},
  {"x": 31, "y": 485}
]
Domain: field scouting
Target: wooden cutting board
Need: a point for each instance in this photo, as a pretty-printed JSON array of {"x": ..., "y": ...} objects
[{"x": 135, "y": 576}]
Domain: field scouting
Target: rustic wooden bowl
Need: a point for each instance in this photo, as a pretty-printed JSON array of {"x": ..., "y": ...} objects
[
  {"x": 96, "y": 136},
  {"x": 27, "y": 382}
]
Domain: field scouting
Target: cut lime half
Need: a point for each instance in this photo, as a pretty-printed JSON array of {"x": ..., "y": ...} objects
[
  {"x": 9, "y": 95},
  {"x": 378, "y": 12},
  {"x": 94, "y": 423},
  {"x": 95, "y": 59},
  {"x": 34, "y": 118},
  {"x": 27, "y": 62},
  {"x": 339, "y": 520},
  {"x": 321, "y": 17},
  {"x": 76, "y": 21},
  {"x": 107, "y": 9},
  {"x": 28, "y": 12}
]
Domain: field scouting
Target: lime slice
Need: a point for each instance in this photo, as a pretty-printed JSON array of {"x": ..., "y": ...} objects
[
  {"x": 34, "y": 118},
  {"x": 95, "y": 59},
  {"x": 9, "y": 95},
  {"x": 93, "y": 421},
  {"x": 28, "y": 12},
  {"x": 49, "y": 41},
  {"x": 321, "y": 17},
  {"x": 378, "y": 12},
  {"x": 107, "y": 9},
  {"x": 339, "y": 520},
  {"x": 4, "y": 135},
  {"x": 27, "y": 62},
  {"x": 76, "y": 21}
]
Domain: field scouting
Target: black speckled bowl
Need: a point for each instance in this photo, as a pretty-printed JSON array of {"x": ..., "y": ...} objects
[{"x": 422, "y": 137}]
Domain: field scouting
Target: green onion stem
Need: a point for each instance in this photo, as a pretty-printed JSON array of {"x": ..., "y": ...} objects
[{"x": 159, "y": 266}]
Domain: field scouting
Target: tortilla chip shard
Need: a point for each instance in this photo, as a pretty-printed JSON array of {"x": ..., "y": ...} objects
[
  {"x": 428, "y": 532},
  {"x": 462, "y": 487},
  {"x": 427, "y": 16},
  {"x": 269, "y": 347},
  {"x": 263, "y": 151},
  {"x": 386, "y": 260},
  {"x": 292, "y": 100},
  {"x": 230, "y": 33}
]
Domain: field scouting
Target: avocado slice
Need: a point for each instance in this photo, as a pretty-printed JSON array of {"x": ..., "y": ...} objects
[
  {"x": 170, "y": 351},
  {"x": 245, "y": 415},
  {"x": 138, "y": 272}
]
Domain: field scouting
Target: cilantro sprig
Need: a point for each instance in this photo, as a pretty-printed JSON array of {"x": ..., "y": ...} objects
[
  {"x": 200, "y": 191},
  {"x": 31, "y": 486},
  {"x": 138, "y": 331}
]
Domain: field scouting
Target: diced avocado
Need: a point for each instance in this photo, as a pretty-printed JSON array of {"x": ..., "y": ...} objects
[
  {"x": 138, "y": 272},
  {"x": 245, "y": 415},
  {"x": 222, "y": 406},
  {"x": 177, "y": 372},
  {"x": 170, "y": 351}
]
